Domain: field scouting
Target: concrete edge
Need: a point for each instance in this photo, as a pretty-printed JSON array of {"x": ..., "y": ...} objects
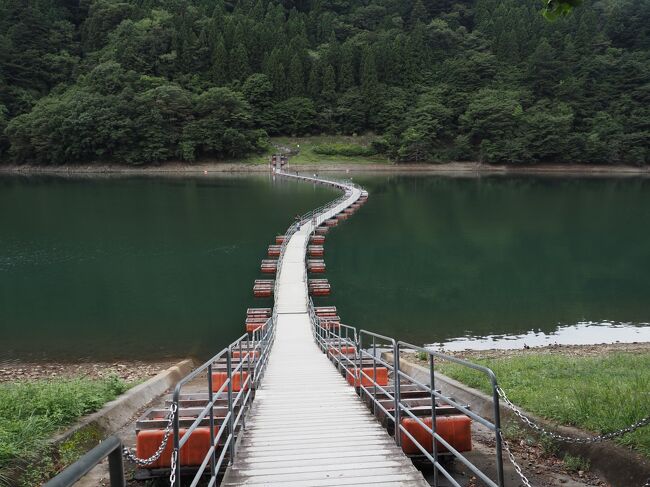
[
  {"x": 619, "y": 466},
  {"x": 115, "y": 414}
]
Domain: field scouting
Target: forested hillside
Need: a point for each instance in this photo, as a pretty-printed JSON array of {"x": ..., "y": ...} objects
[{"x": 141, "y": 81}]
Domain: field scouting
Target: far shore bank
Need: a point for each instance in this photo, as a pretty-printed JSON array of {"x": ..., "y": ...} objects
[{"x": 451, "y": 168}]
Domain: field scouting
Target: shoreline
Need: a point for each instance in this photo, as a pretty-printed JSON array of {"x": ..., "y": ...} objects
[
  {"x": 128, "y": 370},
  {"x": 450, "y": 168},
  {"x": 132, "y": 370},
  {"x": 599, "y": 349}
]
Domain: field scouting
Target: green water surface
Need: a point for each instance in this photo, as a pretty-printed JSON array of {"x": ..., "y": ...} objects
[
  {"x": 135, "y": 267},
  {"x": 105, "y": 268},
  {"x": 428, "y": 259}
]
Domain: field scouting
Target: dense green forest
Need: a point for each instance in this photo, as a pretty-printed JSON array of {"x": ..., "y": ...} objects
[{"x": 142, "y": 81}]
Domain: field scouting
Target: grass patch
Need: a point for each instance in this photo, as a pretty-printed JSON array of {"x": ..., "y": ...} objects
[
  {"x": 575, "y": 464},
  {"x": 32, "y": 412},
  {"x": 597, "y": 394},
  {"x": 326, "y": 149}
]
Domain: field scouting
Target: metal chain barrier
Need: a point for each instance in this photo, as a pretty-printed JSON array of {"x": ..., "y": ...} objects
[
  {"x": 571, "y": 439},
  {"x": 568, "y": 439},
  {"x": 131, "y": 456},
  {"x": 172, "y": 474},
  {"x": 524, "y": 479}
]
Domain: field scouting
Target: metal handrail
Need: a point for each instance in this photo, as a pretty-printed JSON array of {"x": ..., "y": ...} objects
[
  {"x": 323, "y": 336},
  {"x": 111, "y": 447},
  {"x": 253, "y": 359},
  {"x": 401, "y": 409},
  {"x": 248, "y": 362}
]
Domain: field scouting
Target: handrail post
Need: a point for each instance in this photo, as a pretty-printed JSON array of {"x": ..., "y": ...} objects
[
  {"x": 213, "y": 460},
  {"x": 241, "y": 382},
  {"x": 374, "y": 376},
  {"x": 231, "y": 417},
  {"x": 250, "y": 352},
  {"x": 116, "y": 468},
  {"x": 497, "y": 431},
  {"x": 357, "y": 369},
  {"x": 397, "y": 394},
  {"x": 432, "y": 385},
  {"x": 110, "y": 448}
]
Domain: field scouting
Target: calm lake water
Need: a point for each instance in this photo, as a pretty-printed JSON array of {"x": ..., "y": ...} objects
[
  {"x": 146, "y": 267},
  {"x": 155, "y": 267},
  {"x": 434, "y": 259}
]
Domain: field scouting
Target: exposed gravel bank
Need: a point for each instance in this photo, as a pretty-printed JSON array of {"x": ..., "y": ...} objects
[
  {"x": 130, "y": 371},
  {"x": 569, "y": 350}
]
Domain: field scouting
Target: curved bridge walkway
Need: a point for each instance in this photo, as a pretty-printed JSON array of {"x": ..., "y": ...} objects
[{"x": 308, "y": 426}]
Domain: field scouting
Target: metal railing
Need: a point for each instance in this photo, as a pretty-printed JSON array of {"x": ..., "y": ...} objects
[
  {"x": 254, "y": 350},
  {"x": 253, "y": 354},
  {"x": 494, "y": 425},
  {"x": 336, "y": 340},
  {"x": 368, "y": 347},
  {"x": 111, "y": 447},
  {"x": 316, "y": 216}
]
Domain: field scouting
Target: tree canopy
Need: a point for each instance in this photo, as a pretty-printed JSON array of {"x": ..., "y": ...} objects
[{"x": 144, "y": 81}]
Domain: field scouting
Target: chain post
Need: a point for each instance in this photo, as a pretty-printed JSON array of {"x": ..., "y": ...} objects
[
  {"x": 116, "y": 469},
  {"x": 497, "y": 428}
]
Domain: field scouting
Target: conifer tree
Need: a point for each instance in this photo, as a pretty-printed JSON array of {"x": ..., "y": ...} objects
[
  {"x": 296, "y": 77},
  {"x": 274, "y": 70},
  {"x": 219, "y": 69},
  {"x": 543, "y": 69},
  {"x": 239, "y": 67},
  {"x": 328, "y": 92},
  {"x": 346, "y": 67},
  {"x": 418, "y": 13},
  {"x": 368, "y": 74},
  {"x": 201, "y": 54},
  {"x": 314, "y": 82}
]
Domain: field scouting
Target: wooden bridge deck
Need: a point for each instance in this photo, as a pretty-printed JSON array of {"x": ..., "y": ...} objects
[{"x": 308, "y": 426}]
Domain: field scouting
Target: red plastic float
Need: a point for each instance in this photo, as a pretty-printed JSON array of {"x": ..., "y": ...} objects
[
  {"x": 369, "y": 378},
  {"x": 219, "y": 379},
  {"x": 192, "y": 453},
  {"x": 455, "y": 429}
]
